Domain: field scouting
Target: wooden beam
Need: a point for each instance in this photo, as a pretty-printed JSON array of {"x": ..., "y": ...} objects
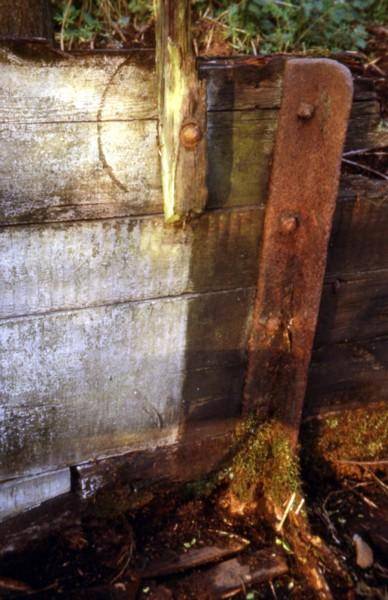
[
  {"x": 182, "y": 112},
  {"x": 317, "y": 96},
  {"x": 27, "y": 20}
]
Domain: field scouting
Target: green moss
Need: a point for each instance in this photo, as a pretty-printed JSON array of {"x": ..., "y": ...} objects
[
  {"x": 266, "y": 462},
  {"x": 352, "y": 435}
]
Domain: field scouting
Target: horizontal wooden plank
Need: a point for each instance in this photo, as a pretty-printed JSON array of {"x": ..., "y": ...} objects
[
  {"x": 82, "y": 383},
  {"x": 240, "y": 147},
  {"x": 199, "y": 450},
  {"x": 359, "y": 240},
  {"x": 354, "y": 309},
  {"x": 18, "y": 495},
  {"x": 76, "y": 89},
  {"x": 348, "y": 374},
  {"x": 61, "y": 266},
  {"x": 366, "y": 127},
  {"x": 238, "y": 86},
  {"x": 72, "y": 170}
]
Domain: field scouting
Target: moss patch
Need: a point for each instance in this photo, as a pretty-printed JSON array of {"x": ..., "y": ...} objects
[
  {"x": 352, "y": 435},
  {"x": 266, "y": 462}
]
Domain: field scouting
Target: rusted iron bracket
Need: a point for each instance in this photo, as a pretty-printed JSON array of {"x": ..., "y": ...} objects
[
  {"x": 313, "y": 118},
  {"x": 182, "y": 112}
]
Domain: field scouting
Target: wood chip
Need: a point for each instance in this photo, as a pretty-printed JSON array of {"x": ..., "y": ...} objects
[
  {"x": 194, "y": 557},
  {"x": 230, "y": 577}
]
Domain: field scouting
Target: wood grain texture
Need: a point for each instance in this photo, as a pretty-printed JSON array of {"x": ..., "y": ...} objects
[
  {"x": 23, "y": 494},
  {"x": 348, "y": 374},
  {"x": 77, "y": 384},
  {"x": 78, "y": 170},
  {"x": 77, "y": 89},
  {"x": 62, "y": 266},
  {"x": 354, "y": 309},
  {"x": 22, "y": 19},
  {"x": 359, "y": 241},
  {"x": 182, "y": 112}
]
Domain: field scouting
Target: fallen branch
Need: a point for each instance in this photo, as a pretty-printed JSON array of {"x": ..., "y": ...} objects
[{"x": 365, "y": 168}]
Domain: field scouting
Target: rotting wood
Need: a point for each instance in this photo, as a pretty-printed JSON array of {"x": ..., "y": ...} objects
[
  {"x": 182, "y": 112},
  {"x": 200, "y": 451},
  {"x": 316, "y": 102},
  {"x": 27, "y": 20},
  {"x": 21, "y": 531},
  {"x": 194, "y": 557},
  {"x": 233, "y": 576}
]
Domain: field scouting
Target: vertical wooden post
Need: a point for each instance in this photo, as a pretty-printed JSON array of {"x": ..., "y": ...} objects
[
  {"x": 316, "y": 102},
  {"x": 182, "y": 112},
  {"x": 26, "y": 20}
]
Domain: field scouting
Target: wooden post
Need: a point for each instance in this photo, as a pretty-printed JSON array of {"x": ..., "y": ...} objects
[
  {"x": 20, "y": 19},
  {"x": 182, "y": 112},
  {"x": 313, "y": 118}
]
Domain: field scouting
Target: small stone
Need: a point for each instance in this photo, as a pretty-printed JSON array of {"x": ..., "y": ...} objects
[{"x": 364, "y": 553}]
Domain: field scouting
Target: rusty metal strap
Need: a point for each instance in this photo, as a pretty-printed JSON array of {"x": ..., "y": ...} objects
[{"x": 313, "y": 118}]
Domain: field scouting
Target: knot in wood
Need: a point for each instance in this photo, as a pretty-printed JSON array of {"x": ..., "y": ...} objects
[
  {"x": 305, "y": 111},
  {"x": 191, "y": 135},
  {"x": 289, "y": 223}
]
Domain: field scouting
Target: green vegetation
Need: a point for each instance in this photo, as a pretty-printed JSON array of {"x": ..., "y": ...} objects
[
  {"x": 334, "y": 445},
  {"x": 259, "y": 26}
]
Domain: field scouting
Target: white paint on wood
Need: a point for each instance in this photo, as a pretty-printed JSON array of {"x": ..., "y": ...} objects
[{"x": 18, "y": 495}]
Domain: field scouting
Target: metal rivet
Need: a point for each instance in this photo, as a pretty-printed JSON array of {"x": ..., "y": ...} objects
[
  {"x": 289, "y": 223},
  {"x": 305, "y": 110},
  {"x": 191, "y": 135}
]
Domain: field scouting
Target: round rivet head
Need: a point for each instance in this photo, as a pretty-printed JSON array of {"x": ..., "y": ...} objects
[
  {"x": 191, "y": 135},
  {"x": 289, "y": 223},
  {"x": 305, "y": 111}
]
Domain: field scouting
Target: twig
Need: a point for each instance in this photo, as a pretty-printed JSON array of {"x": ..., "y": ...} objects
[
  {"x": 361, "y": 151},
  {"x": 290, "y": 504},
  {"x": 365, "y": 168},
  {"x": 63, "y": 25},
  {"x": 378, "y": 480},
  {"x": 366, "y": 463}
]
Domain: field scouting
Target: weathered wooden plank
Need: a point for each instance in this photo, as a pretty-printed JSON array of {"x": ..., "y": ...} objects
[
  {"x": 20, "y": 532},
  {"x": 198, "y": 450},
  {"x": 231, "y": 577},
  {"x": 176, "y": 561},
  {"x": 234, "y": 84},
  {"x": 240, "y": 146},
  {"x": 348, "y": 374},
  {"x": 366, "y": 129},
  {"x": 46, "y": 169},
  {"x": 19, "y": 19},
  {"x": 78, "y": 384},
  {"x": 78, "y": 89},
  {"x": 61, "y": 266},
  {"x": 354, "y": 309},
  {"x": 71, "y": 156},
  {"x": 359, "y": 240},
  {"x": 18, "y": 495}
]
